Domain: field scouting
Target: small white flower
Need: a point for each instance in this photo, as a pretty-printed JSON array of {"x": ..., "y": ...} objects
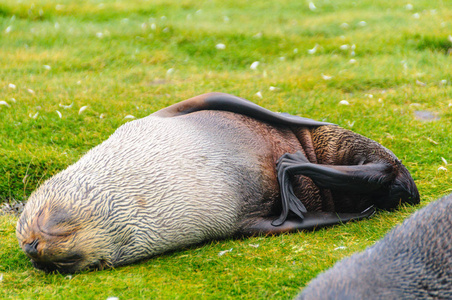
[
  {"x": 443, "y": 82},
  {"x": 170, "y": 71},
  {"x": 82, "y": 109},
  {"x": 59, "y": 7},
  {"x": 326, "y": 77},
  {"x": 416, "y": 15},
  {"x": 282, "y": 58},
  {"x": 254, "y": 65},
  {"x": 99, "y": 35},
  {"x": 362, "y": 23},
  {"x": 444, "y": 160},
  {"x": 420, "y": 83},
  {"x": 1, "y": 277},
  {"x": 254, "y": 245},
  {"x": 224, "y": 252},
  {"x": 312, "y": 6},
  {"x": 442, "y": 168},
  {"x": 226, "y": 19},
  {"x": 344, "y": 25},
  {"x": 409, "y": 6},
  {"x": 405, "y": 64},
  {"x": 112, "y": 298},
  {"x": 30, "y": 91},
  {"x": 273, "y": 88},
  {"x": 450, "y": 38},
  {"x": 59, "y": 114},
  {"x": 344, "y": 47},
  {"x": 35, "y": 115},
  {"x": 66, "y": 106},
  {"x": 313, "y": 50},
  {"x": 129, "y": 117},
  {"x": 340, "y": 248},
  {"x": 68, "y": 277},
  {"x": 257, "y": 35},
  {"x": 352, "y": 61},
  {"x": 13, "y": 100},
  {"x": 344, "y": 102},
  {"x": 369, "y": 95},
  {"x": 12, "y": 86},
  {"x": 259, "y": 94},
  {"x": 295, "y": 51},
  {"x": 153, "y": 26},
  {"x": 8, "y": 29},
  {"x": 4, "y": 103},
  {"x": 102, "y": 116},
  {"x": 47, "y": 67},
  {"x": 220, "y": 46}
]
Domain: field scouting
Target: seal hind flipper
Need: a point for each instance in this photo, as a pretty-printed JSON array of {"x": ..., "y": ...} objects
[
  {"x": 311, "y": 221},
  {"x": 355, "y": 178},
  {"x": 230, "y": 103}
]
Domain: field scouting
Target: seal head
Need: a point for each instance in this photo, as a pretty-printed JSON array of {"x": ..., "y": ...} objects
[{"x": 59, "y": 236}]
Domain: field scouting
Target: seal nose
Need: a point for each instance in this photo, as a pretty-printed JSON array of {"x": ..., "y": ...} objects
[{"x": 32, "y": 248}]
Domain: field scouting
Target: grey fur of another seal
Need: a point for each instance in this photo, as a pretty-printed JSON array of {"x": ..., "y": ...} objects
[{"x": 413, "y": 261}]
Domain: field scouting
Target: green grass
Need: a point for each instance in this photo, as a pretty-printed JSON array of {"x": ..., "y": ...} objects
[{"x": 114, "y": 57}]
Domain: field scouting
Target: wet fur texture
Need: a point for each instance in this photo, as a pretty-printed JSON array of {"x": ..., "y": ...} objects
[{"x": 413, "y": 261}]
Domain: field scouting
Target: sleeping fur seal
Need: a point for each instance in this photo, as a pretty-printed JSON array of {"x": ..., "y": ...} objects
[
  {"x": 205, "y": 168},
  {"x": 413, "y": 261}
]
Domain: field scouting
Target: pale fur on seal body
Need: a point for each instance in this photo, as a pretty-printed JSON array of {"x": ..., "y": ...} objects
[
  {"x": 413, "y": 261},
  {"x": 184, "y": 175}
]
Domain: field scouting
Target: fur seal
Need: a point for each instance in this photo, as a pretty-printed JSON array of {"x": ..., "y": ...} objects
[
  {"x": 202, "y": 169},
  {"x": 413, "y": 261}
]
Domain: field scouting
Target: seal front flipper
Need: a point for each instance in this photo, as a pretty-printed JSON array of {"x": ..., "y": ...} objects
[
  {"x": 311, "y": 221},
  {"x": 289, "y": 200},
  {"x": 230, "y": 103}
]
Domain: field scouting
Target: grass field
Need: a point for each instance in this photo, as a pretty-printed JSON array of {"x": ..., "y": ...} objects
[{"x": 72, "y": 71}]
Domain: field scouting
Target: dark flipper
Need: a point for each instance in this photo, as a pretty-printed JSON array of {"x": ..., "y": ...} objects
[
  {"x": 226, "y": 102},
  {"x": 311, "y": 221},
  {"x": 356, "y": 178}
]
